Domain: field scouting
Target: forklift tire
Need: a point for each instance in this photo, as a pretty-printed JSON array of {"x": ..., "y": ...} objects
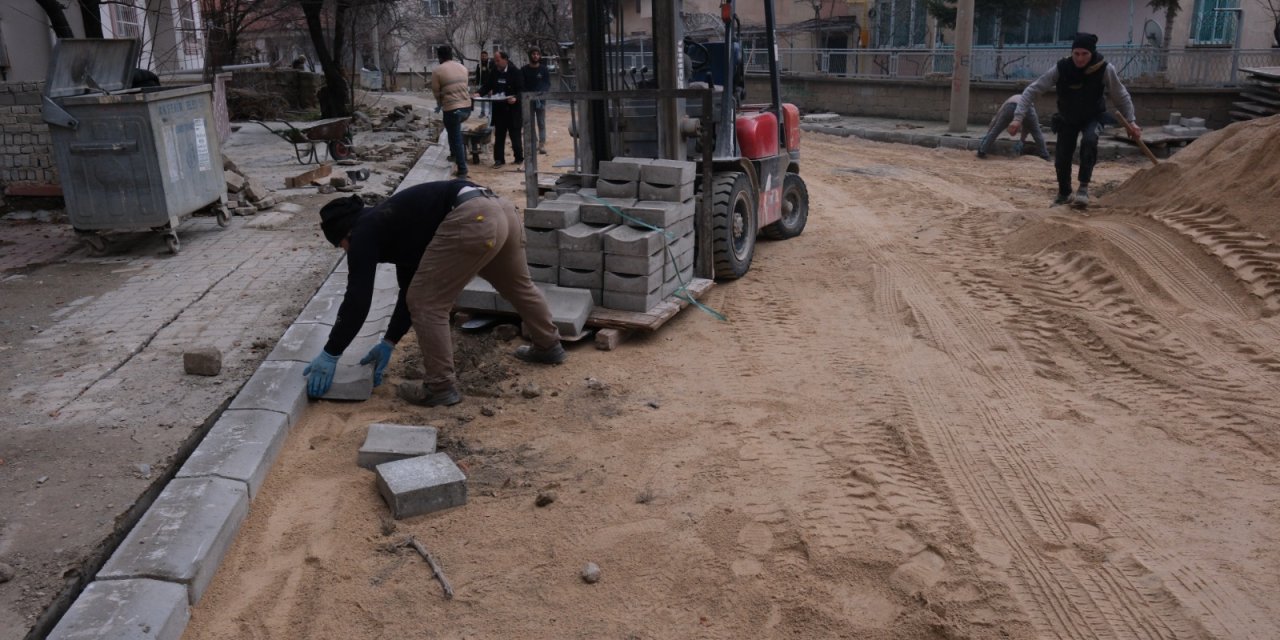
[
  {"x": 795, "y": 210},
  {"x": 733, "y": 224}
]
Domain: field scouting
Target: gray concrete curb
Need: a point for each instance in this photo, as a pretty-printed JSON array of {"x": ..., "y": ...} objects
[
  {"x": 165, "y": 563},
  {"x": 1000, "y": 147}
]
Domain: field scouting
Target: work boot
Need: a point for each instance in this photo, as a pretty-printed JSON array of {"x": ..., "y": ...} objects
[
  {"x": 418, "y": 393},
  {"x": 1064, "y": 197},
  {"x": 1082, "y": 198},
  {"x": 981, "y": 154},
  {"x": 530, "y": 353}
]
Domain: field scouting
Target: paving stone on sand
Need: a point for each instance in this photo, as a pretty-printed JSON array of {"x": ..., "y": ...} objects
[
  {"x": 425, "y": 484},
  {"x": 184, "y": 535},
  {"x": 391, "y": 442},
  {"x": 240, "y": 446},
  {"x": 352, "y": 382},
  {"x": 126, "y": 610}
]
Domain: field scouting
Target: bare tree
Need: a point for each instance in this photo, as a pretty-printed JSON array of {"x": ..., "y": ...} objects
[
  {"x": 227, "y": 21},
  {"x": 1273, "y": 7},
  {"x": 333, "y": 96}
]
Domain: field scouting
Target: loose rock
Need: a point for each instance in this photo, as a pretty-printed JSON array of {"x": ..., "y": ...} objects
[
  {"x": 506, "y": 332},
  {"x": 591, "y": 573},
  {"x": 488, "y": 411},
  {"x": 7, "y": 572},
  {"x": 597, "y": 385},
  {"x": 545, "y": 498},
  {"x": 531, "y": 390}
]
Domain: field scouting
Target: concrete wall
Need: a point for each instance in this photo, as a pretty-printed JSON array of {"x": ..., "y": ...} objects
[
  {"x": 26, "y": 157},
  {"x": 930, "y": 100}
]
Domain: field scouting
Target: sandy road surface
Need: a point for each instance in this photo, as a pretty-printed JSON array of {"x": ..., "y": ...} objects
[{"x": 945, "y": 411}]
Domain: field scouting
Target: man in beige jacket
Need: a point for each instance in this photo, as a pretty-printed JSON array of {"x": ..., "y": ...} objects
[{"x": 449, "y": 84}]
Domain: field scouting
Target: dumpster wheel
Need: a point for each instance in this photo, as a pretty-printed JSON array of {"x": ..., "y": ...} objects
[
  {"x": 222, "y": 215},
  {"x": 174, "y": 244},
  {"x": 96, "y": 243}
]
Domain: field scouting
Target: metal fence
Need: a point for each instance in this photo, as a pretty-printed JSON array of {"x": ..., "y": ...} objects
[{"x": 1136, "y": 65}]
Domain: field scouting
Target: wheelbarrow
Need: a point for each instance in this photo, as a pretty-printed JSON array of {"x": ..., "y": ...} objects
[{"x": 334, "y": 133}]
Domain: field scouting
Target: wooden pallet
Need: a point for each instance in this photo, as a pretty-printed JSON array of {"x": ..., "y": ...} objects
[{"x": 613, "y": 326}]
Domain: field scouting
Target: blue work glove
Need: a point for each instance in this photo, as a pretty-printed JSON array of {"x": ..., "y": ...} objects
[
  {"x": 380, "y": 355},
  {"x": 320, "y": 374}
]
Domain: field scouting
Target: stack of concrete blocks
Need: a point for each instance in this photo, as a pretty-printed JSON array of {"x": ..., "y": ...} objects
[
  {"x": 643, "y": 266},
  {"x": 1180, "y": 126},
  {"x": 411, "y": 476}
]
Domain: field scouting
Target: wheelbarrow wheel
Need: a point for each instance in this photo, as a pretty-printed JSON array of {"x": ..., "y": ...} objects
[{"x": 340, "y": 149}]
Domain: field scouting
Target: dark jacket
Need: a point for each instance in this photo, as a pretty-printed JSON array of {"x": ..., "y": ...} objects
[
  {"x": 507, "y": 82},
  {"x": 1080, "y": 91},
  {"x": 396, "y": 231},
  {"x": 536, "y": 78}
]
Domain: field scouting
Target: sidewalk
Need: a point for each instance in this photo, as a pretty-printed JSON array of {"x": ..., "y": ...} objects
[{"x": 98, "y": 413}]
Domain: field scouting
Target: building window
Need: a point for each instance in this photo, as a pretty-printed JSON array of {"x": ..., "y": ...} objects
[
  {"x": 188, "y": 28},
  {"x": 900, "y": 24},
  {"x": 440, "y": 8},
  {"x": 1034, "y": 27},
  {"x": 1212, "y": 26},
  {"x": 126, "y": 22}
]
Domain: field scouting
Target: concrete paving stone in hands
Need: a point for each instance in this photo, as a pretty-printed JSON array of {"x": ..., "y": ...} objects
[
  {"x": 672, "y": 193},
  {"x": 586, "y": 260},
  {"x": 570, "y": 308},
  {"x": 582, "y": 237},
  {"x": 391, "y": 442},
  {"x": 668, "y": 173},
  {"x": 353, "y": 382},
  {"x": 425, "y": 484},
  {"x": 276, "y": 386},
  {"x": 581, "y": 278},
  {"x": 240, "y": 446},
  {"x": 184, "y": 535},
  {"x": 126, "y": 610},
  {"x": 605, "y": 210}
]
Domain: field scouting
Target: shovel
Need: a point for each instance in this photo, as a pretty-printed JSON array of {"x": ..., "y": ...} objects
[{"x": 1141, "y": 145}]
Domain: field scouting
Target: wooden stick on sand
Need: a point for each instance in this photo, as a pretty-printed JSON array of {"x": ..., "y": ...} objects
[{"x": 1142, "y": 145}]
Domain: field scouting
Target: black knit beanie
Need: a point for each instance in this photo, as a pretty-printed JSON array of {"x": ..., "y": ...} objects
[
  {"x": 338, "y": 216},
  {"x": 1085, "y": 41}
]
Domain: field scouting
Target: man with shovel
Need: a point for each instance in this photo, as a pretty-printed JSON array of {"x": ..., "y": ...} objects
[
  {"x": 439, "y": 235},
  {"x": 1082, "y": 81}
]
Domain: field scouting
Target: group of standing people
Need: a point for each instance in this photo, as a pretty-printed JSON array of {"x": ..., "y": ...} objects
[{"x": 499, "y": 85}]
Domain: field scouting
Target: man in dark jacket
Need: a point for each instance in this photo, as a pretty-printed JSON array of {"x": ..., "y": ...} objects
[
  {"x": 483, "y": 69},
  {"x": 1081, "y": 81},
  {"x": 504, "y": 84},
  {"x": 439, "y": 235},
  {"x": 536, "y": 77}
]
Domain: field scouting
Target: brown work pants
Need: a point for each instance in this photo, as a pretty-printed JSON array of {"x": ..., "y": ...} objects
[{"x": 484, "y": 236}]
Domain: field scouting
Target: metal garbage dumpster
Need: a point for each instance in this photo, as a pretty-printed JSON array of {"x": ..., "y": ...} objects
[{"x": 129, "y": 158}]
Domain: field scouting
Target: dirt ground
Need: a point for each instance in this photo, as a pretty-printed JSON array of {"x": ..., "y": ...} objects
[{"x": 945, "y": 411}]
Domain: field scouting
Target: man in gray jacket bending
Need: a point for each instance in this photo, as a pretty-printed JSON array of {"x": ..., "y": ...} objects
[{"x": 1081, "y": 81}]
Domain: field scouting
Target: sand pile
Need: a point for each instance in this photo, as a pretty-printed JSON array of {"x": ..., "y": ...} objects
[{"x": 1235, "y": 170}]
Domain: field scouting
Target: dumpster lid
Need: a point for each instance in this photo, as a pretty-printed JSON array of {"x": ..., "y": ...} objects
[{"x": 85, "y": 65}]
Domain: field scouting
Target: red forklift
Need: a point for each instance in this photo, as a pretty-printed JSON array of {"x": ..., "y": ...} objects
[{"x": 664, "y": 95}]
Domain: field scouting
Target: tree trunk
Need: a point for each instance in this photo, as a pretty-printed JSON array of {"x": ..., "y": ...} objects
[
  {"x": 333, "y": 96},
  {"x": 91, "y": 13},
  {"x": 57, "y": 19},
  {"x": 1169, "y": 14}
]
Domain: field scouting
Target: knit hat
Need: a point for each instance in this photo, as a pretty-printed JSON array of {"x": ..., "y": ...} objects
[
  {"x": 338, "y": 216},
  {"x": 1085, "y": 41}
]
